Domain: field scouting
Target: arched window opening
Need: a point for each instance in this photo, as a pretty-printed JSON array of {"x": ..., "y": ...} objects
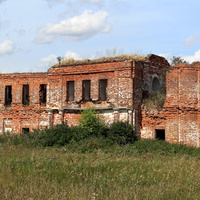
[{"x": 155, "y": 84}]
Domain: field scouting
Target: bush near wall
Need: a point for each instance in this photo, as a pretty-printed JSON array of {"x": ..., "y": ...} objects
[
  {"x": 121, "y": 133},
  {"x": 91, "y": 130}
]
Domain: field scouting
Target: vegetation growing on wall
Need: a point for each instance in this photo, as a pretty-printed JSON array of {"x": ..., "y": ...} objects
[
  {"x": 108, "y": 55},
  {"x": 155, "y": 100},
  {"x": 71, "y": 61}
]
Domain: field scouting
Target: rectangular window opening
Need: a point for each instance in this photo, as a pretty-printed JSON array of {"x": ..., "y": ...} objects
[
  {"x": 70, "y": 90},
  {"x": 25, "y": 95},
  {"x": 160, "y": 134},
  {"x": 8, "y": 95},
  {"x": 102, "y": 89},
  {"x": 25, "y": 130},
  {"x": 86, "y": 90},
  {"x": 43, "y": 94}
]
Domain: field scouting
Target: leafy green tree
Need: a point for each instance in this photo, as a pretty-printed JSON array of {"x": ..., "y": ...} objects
[{"x": 177, "y": 60}]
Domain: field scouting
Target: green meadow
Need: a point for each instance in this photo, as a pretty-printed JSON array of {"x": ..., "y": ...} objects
[
  {"x": 94, "y": 161},
  {"x": 87, "y": 170}
]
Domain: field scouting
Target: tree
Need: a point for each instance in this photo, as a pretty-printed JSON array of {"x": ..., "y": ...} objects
[
  {"x": 177, "y": 60},
  {"x": 59, "y": 58}
]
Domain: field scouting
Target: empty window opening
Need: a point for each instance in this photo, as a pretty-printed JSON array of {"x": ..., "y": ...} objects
[
  {"x": 102, "y": 89},
  {"x": 86, "y": 90},
  {"x": 8, "y": 95},
  {"x": 70, "y": 90},
  {"x": 160, "y": 134},
  {"x": 25, "y": 95},
  {"x": 43, "y": 94},
  {"x": 25, "y": 130},
  {"x": 155, "y": 84}
]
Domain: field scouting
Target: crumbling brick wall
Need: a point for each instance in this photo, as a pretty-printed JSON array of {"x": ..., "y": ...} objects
[
  {"x": 180, "y": 115},
  {"x": 21, "y": 116},
  {"x": 113, "y": 87}
]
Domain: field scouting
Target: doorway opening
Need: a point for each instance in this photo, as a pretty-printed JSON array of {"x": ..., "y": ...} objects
[
  {"x": 160, "y": 134},
  {"x": 25, "y": 130}
]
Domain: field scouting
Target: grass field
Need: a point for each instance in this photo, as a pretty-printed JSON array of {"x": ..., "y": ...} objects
[{"x": 118, "y": 172}]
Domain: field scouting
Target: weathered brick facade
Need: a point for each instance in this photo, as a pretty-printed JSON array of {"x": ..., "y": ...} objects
[
  {"x": 114, "y": 87},
  {"x": 179, "y": 118}
]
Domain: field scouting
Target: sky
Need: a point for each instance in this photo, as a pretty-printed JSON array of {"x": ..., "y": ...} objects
[{"x": 33, "y": 34}]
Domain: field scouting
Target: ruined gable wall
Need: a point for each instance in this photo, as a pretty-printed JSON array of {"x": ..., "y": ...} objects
[
  {"x": 145, "y": 74},
  {"x": 180, "y": 115}
]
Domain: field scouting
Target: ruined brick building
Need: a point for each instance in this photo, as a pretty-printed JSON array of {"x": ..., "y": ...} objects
[
  {"x": 115, "y": 87},
  {"x": 178, "y": 121}
]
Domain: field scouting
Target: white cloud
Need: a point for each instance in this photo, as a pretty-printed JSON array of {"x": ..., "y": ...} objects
[
  {"x": 7, "y": 47},
  {"x": 166, "y": 55},
  {"x": 194, "y": 58},
  {"x": 76, "y": 28},
  {"x": 71, "y": 54},
  {"x": 47, "y": 62},
  {"x": 191, "y": 41}
]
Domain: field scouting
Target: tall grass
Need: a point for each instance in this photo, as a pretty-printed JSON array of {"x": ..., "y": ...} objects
[
  {"x": 118, "y": 172},
  {"x": 92, "y": 161}
]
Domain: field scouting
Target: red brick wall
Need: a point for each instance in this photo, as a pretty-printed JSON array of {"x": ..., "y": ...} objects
[
  {"x": 125, "y": 80},
  {"x": 180, "y": 115},
  {"x": 32, "y": 116}
]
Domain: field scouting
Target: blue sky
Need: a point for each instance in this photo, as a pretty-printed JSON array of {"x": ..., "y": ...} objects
[{"x": 34, "y": 33}]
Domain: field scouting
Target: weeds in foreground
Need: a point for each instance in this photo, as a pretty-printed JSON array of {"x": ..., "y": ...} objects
[
  {"x": 115, "y": 172},
  {"x": 73, "y": 163}
]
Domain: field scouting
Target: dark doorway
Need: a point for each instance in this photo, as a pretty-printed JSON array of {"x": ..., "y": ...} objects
[
  {"x": 25, "y": 130},
  {"x": 160, "y": 134}
]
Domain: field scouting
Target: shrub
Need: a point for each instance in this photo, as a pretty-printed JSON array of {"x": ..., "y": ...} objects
[
  {"x": 163, "y": 148},
  {"x": 156, "y": 100},
  {"x": 121, "y": 133},
  {"x": 91, "y": 123},
  {"x": 3, "y": 138},
  {"x": 59, "y": 135}
]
